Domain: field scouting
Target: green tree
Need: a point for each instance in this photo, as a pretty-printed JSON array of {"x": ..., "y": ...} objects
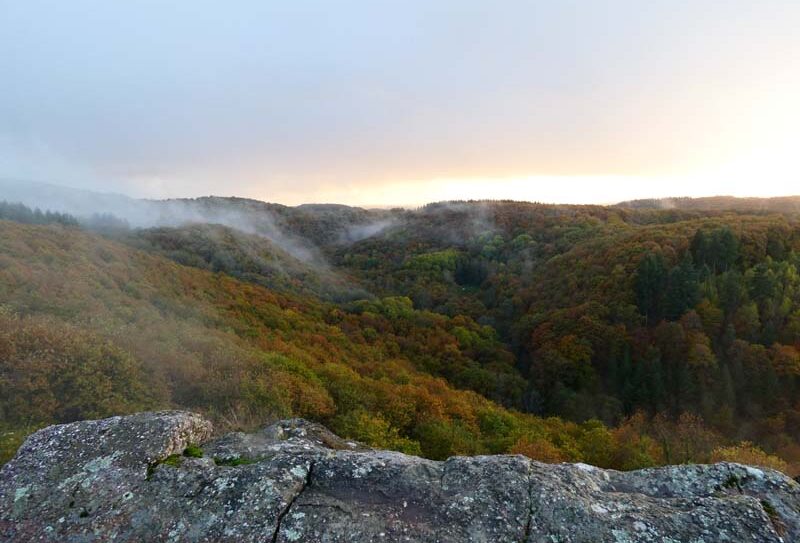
[
  {"x": 683, "y": 290},
  {"x": 718, "y": 250},
  {"x": 651, "y": 282}
]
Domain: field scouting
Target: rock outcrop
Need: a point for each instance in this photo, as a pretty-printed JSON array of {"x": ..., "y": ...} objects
[{"x": 145, "y": 478}]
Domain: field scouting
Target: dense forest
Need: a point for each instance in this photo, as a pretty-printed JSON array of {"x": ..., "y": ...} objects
[{"x": 624, "y": 336}]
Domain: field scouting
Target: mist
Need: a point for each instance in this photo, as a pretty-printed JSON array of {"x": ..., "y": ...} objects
[{"x": 88, "y": 207}]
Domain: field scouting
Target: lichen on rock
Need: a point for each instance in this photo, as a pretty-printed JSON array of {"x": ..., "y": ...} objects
[{"x": 293, "y": 481}]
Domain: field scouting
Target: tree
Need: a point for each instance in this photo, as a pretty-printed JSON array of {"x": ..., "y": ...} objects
[
  {"x": 718, "y": 250},
  {"x": 785, "y": 360},
  {"x": 732, "y": 292},
  {"x": 651, "y": 281},
  {"x": 725, "y": 249},
  {"x": 683, "y": 290},
  {"x": 748, "y": 453},
  {"x": 700, "y": 248}
]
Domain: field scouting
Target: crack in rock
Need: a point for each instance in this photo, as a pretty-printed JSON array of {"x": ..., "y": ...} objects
[
  {"x": 285, "y": 511},
  {"x": 527, "y": 533}
]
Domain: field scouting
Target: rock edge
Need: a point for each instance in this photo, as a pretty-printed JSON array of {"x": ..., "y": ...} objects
[{"x": 157, "y": 477}]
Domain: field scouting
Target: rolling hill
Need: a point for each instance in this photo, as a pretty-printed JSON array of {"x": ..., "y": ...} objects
[{"x": 621, "y": 336}]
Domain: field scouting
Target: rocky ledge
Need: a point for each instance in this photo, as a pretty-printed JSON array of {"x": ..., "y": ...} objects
[{"x": 156, "y": 477}]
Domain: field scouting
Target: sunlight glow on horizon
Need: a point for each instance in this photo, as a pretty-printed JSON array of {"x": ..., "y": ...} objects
[
  {"x": 582, "y": 190},
  {"x": 761, "y": 174},
  {"x": 758, "y": 159},
  {"x": 400, "y": 105}
]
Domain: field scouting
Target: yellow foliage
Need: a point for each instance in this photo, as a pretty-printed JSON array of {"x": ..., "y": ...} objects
[
  {"x": 747, "y": 453},
  {"x": 540, "y": 449}
]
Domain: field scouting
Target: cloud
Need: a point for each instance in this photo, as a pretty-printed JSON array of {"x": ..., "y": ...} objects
[{"x": 306, "y": 101}]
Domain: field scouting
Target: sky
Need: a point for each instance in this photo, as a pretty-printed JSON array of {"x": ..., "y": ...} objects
[{"x": 401, "y": 103}]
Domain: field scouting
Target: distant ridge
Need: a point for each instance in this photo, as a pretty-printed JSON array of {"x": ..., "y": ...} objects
[{"x": 781, "y": 204}]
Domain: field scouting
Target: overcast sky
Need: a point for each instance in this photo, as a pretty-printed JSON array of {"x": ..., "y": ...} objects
[{"x": 385, "y": 103}]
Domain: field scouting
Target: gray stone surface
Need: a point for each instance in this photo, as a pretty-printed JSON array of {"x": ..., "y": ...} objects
[{"x": 126, "y": 479}]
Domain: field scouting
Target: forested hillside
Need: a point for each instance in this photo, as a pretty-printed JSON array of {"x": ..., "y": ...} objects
[
  {"x": 91, "y": 327},
  {"x": 612, "y": 312},
  {"x": 617, "y": 336}
]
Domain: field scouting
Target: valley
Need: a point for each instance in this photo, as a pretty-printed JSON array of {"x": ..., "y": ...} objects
[{"x": 618, "y": 336}]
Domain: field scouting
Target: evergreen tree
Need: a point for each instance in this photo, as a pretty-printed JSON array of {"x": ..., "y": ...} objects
[
  {"x": 683, "y": 291},
  {"x": 651, "y": 282},
  {"x": 718, "y": 250}
]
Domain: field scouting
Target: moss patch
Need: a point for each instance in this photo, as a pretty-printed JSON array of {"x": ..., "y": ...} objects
[
  {"x": 233, "y": 462},
  {"x": 733, "y": 482},
  {"x": 193, "y": 451},
  {"x": 173, "y": 461},
  {"x": 775, "y": 519}
]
